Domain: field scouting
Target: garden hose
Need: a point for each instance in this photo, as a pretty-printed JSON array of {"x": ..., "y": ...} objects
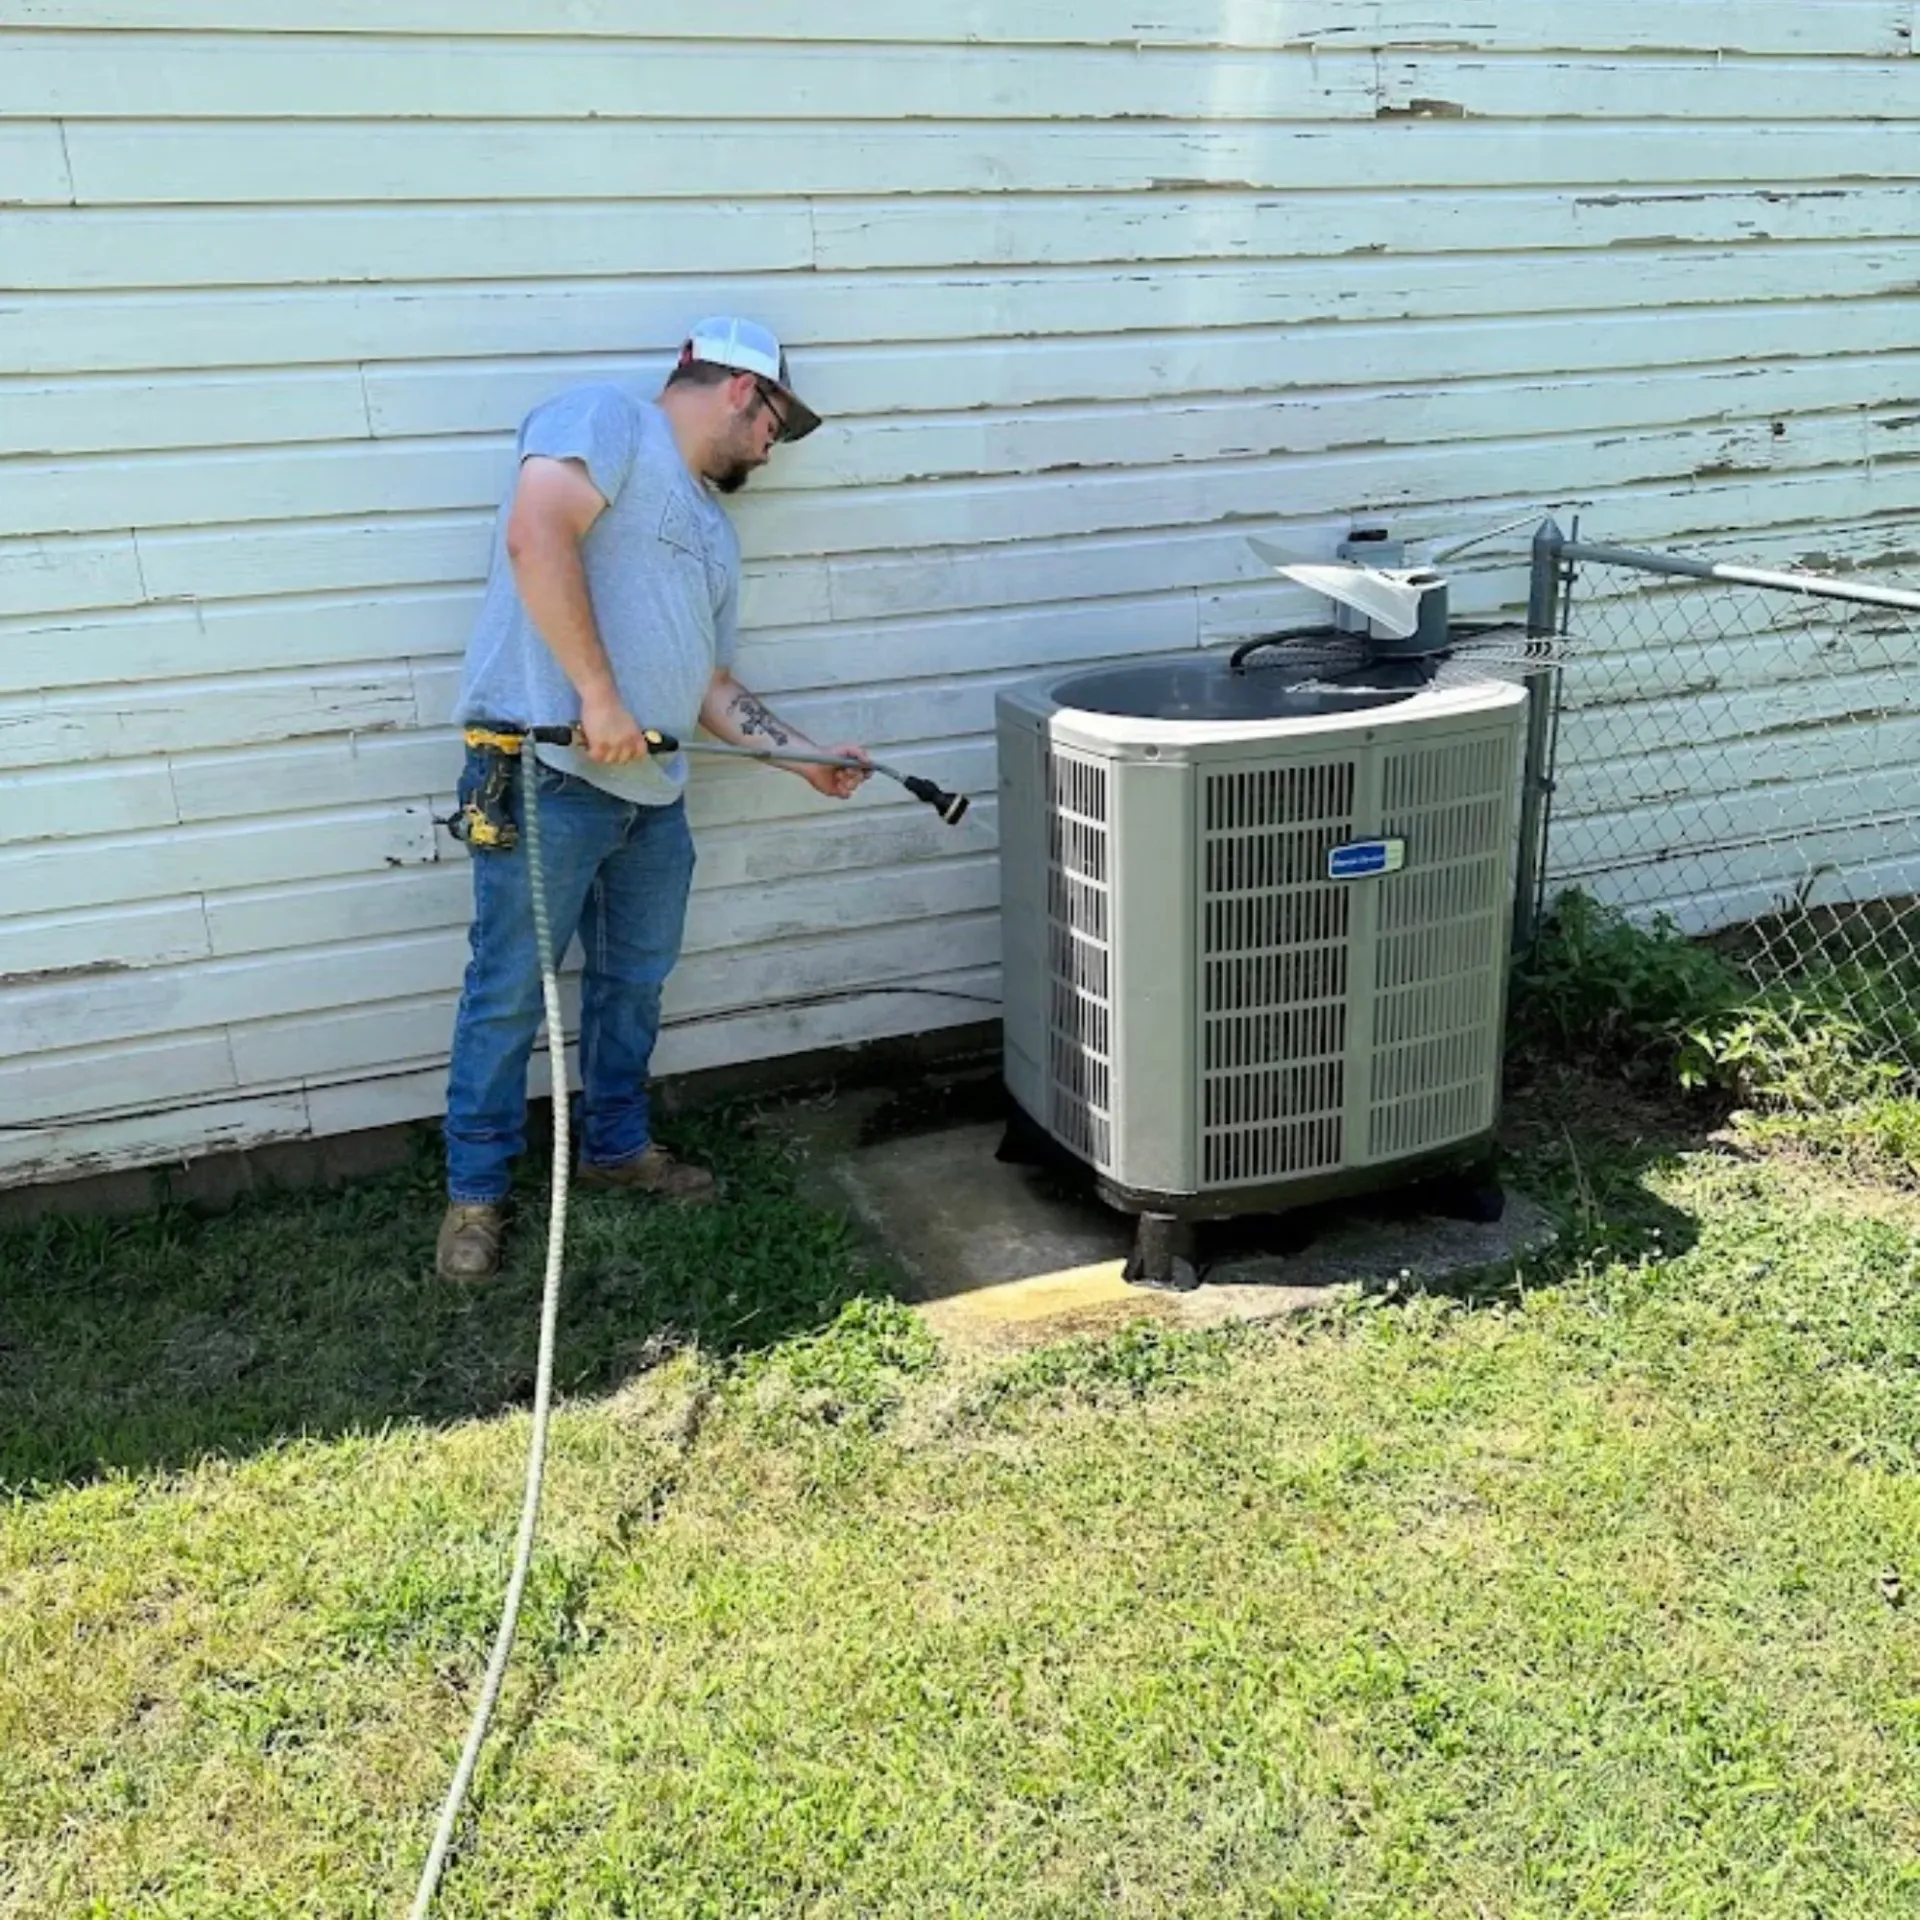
[
  {"x": 486, "y": 823},
  {"x": 543, "y": 1371}
]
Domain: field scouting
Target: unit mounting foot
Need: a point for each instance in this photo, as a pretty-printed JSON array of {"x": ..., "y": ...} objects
[
  {"x": 1473, "y": 1194},
  {"x": 1163, "y": 1254}
]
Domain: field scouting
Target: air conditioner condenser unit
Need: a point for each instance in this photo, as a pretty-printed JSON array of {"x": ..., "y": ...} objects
[{"x": 1256, "y": 930}]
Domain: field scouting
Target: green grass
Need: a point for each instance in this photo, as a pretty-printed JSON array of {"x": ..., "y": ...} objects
[
  {"x": 145, "y": 1345},
  {"x": 1558, "y": 1596}
]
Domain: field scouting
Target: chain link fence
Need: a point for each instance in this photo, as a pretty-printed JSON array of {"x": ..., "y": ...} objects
[{"x": 1734, "y": 751}]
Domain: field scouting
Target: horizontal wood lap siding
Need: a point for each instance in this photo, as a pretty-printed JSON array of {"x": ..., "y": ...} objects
[{"x": 1087, "y": 292}]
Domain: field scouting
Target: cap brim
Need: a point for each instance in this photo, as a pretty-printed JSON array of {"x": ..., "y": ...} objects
[{"x": 801, "y": 418}]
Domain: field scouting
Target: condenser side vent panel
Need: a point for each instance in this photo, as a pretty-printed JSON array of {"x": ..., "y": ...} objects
[
  {"x": 1274, "y": 971},
  {"x": 1436, "y": 972},
  {"x": 1080, "y": 953}
]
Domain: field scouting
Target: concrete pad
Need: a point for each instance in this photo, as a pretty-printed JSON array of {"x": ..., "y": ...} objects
[
  {"x": 956, "y": 1220},
  {"x": 1002, "y": 1255},
  {"x": 1046, "y": 1307}
]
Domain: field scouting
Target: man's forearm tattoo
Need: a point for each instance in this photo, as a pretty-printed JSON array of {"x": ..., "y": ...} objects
[{"x": 754, "y": 718}]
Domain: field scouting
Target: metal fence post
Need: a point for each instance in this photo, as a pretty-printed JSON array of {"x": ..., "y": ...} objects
[
  {"x": 1543, "y": 591},
  {"x": 1543, "y": 685}
]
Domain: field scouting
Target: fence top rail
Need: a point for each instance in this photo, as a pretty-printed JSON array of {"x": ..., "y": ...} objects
[{"x": 1820, "y": 586}]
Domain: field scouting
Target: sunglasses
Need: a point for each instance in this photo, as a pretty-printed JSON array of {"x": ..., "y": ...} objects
[{"x": 773, "y": 406}]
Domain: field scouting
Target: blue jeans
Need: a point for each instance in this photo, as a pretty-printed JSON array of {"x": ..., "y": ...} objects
[{"x": 617, "y": 875}]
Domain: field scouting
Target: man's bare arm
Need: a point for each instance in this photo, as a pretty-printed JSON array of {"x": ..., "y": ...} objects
[
  {"x": 554, "y": 505},
  {"x": 736, "y": 714}
]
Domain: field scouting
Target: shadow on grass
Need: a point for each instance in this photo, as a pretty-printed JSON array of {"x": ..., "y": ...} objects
[
  {"x": 1578, "y": 1140},
  {"x": 1583, "y": 1141},
  {"x": 153, "y": 1343},
  {"x": 150, "y": 1344}
]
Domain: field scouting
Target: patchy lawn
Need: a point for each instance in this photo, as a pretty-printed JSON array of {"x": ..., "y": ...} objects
[{"x": 1577, "y": 1594}]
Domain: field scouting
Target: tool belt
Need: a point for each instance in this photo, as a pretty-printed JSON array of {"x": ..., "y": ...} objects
[{"x": 487, "y": 818}]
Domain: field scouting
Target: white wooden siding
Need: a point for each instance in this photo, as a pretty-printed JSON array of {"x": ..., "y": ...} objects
[
  {"x": 1087, "y": 291},
  {"x": 1861, "y": 27}
]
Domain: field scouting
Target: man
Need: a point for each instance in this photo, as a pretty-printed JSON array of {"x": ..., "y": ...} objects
[{"x": 613, "y": 602}]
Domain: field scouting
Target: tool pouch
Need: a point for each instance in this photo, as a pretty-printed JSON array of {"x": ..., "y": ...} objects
[{"x": 487, "y": 818}]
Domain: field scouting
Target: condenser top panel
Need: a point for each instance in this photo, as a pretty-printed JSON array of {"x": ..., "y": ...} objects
[
  {"x": 1191, "y": 706},
  {"x": 1207, "y": 690}
]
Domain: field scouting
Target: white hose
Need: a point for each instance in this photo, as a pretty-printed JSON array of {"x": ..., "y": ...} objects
[{"x": 543, "y": 1373}]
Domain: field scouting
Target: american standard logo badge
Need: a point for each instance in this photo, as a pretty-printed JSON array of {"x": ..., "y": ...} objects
[{"x": 1362, "y": 859}]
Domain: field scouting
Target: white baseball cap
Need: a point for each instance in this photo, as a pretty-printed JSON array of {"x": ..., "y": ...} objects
[{"x": 748, "y": 347}]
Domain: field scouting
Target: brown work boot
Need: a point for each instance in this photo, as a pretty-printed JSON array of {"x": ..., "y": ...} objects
[
  {"x": 655, "y": 1171},
  {"x": 469, "y": 1246}
]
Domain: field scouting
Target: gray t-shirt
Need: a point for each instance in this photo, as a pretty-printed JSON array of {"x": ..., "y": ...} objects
[{"x": 663, "y": 569}]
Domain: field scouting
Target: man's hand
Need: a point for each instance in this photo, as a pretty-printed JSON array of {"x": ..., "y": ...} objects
[
  {"x": 837, "y": 783},
  {"x": 613, "y": 736}
]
